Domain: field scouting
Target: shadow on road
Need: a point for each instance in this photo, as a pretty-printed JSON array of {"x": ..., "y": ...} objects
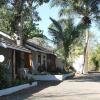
[
  {"x": 24, "y": 94},
  {"x": 27, "y": 93}
]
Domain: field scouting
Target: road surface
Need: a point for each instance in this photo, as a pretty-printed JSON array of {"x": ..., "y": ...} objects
[{"x": 86, "y": 87}]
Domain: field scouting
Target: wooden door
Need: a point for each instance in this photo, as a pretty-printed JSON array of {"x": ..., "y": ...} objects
[{"x": 28, "y": 60}]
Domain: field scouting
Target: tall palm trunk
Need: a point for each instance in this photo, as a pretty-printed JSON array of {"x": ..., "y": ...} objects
[
  {"x": 85, "y": 68},
  {"x": 65, "y": 56},
  {"x": 65, "y": 67}
]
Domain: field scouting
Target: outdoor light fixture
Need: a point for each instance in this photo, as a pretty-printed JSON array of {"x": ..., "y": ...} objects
[
  {"x": 2, "y": 58},
  {"x": 18, "y": 41},
  {"x": 19, "y": 24}
]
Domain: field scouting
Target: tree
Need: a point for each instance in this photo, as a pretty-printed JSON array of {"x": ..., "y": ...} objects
[
  {"x": 19, "y": 16},
  {"x": 25, "y": 11},
  {"x": 64, "y": 33},
  {"x": 89, "y": 11},
  {"x": 6, "y": 16},
  {"x": 2, "y": 2},
  {"x": 95, "y": 58}
]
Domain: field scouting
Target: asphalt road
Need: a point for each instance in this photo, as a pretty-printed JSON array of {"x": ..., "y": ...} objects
[{"x": 86, "y": 87}]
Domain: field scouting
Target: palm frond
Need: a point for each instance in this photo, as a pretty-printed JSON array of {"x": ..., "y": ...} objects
[
  {"x": 55, "y": 34},
  {"x": 40, "y": 35},
  {"x": 40, "y": 2},
  {"x": 64, "y": 11},
  {"x": 56, "y": 3},
  {"x": 57, "y": 25}
]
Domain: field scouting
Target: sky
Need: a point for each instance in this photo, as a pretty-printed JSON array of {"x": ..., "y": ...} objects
[{"x": 45, "y": 12}]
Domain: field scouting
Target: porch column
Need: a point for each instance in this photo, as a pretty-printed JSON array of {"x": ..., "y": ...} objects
[{"x": 14, "y": 58}]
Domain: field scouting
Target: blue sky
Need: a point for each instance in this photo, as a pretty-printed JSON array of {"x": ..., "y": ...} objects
[{"x": 45, "y": 12}]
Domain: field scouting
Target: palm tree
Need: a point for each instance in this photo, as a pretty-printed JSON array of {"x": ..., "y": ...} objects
[
  {"x": 89, "y": 11},
  {"x": 64, "y": 33}
]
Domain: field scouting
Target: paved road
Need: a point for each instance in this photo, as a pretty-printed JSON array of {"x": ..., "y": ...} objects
[{"x": 86, "y": 87}]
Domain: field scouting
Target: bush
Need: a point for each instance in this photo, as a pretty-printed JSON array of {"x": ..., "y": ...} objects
[
  {"x": 3, "y": 77},
  {"x": 4, "y": 83}
]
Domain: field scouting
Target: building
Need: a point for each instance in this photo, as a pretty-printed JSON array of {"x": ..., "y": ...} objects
[
  {"x": 42, "y": 58},
  {"x": 15, "y": 55}
]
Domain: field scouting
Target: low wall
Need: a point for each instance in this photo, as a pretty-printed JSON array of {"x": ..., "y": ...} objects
[
  {"x": 52, "y": 77},
  {"x": 16, "y": 88}
]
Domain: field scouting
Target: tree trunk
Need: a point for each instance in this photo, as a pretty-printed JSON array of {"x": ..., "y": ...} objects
[
  {"x": 65, "y": 57},
  {"x": 85, "y": 68},
  {"x": 13, "y": 63},
  {"x": 19, "y": 29},
  {"x": 65, "y": 67},
  {"x": 19, "y": 19}
]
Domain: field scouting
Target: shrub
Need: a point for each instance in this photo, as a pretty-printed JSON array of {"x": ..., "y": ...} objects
[{"x": 3, "y": 77}]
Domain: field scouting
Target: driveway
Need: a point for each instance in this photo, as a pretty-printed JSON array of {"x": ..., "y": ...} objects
[{"x": 86, "y": 87}]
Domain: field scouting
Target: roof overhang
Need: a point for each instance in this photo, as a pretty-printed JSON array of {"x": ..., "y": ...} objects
[
  {"x": 15, "y": 47},
  {"x": 34, "y": 49}
]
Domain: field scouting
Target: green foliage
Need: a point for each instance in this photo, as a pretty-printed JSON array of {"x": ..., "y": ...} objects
[
  {"x": 3, "y": 76},
  {"x": 88, "y": 9},
  {"x": 64, "y": 34},
  {"x": 30, "y": 30},
  {"x": 40, "y": 2},
  {"x": 59, "y": 51},
  {"x": 96, "y": 58},
  {"x": 76, "y": 50},
  {"x": 2, "y": 2},
  {"x": 13, "y": 12},
  {"x": 6, "y": 17},
  {"x": 5, "y": 83}
]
